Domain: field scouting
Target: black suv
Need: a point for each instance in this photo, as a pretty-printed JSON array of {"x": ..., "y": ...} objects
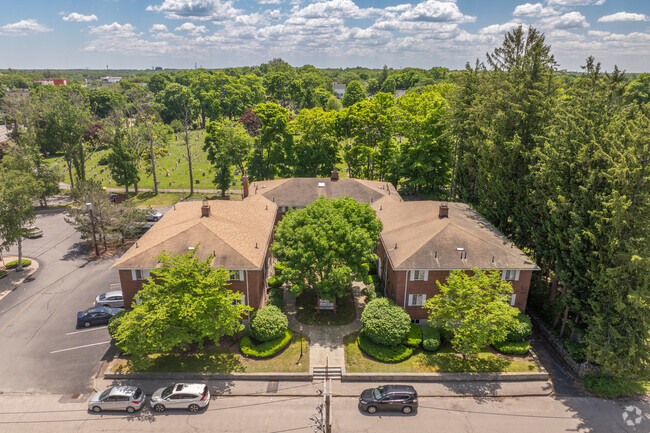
[{"x": 389, "y": 397}]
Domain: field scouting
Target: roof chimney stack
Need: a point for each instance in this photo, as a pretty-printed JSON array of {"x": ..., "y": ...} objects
[
  {"x": 335, "y": 174},
  {"x": 205, "y": 209},
  {"x": 443, "y": 212},
  {"x": 244, "y": 182}
]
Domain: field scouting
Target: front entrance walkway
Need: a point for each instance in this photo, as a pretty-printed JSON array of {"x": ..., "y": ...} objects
[{"x": 325, "y": 341}]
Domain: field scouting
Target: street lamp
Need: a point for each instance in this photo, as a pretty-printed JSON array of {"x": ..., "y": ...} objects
[
  {"x": 300, "y": 344},
  {"x": 89, "y": 208}
]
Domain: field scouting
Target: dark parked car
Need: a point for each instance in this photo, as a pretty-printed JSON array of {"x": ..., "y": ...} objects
[
  {"x": 96, "y": 316},
  {"x": 389, "y": 397}
]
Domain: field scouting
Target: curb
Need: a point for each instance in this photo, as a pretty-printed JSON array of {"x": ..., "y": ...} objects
[
  {"x": 446, "y": 377},
  {"x": 30, "y": 271}
]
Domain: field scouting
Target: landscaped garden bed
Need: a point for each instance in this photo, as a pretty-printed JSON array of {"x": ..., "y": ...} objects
[
  {"x": 227, "y": 358},
  {"x": 445, "y": 360},
  {"x": 307, "y": 313}
]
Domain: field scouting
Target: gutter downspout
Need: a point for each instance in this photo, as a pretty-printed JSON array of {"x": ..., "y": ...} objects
[
  {"x": 248, "y": 299},
  {"x": 405, "y": 286}
]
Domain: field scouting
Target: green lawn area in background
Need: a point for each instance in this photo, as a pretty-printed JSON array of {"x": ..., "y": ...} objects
[
  {"x": 229, "y": 360},
  {"x": 442, "y": 361},
  {"x": 147, "y": 198},
  {"x": 178, "y": 171}
]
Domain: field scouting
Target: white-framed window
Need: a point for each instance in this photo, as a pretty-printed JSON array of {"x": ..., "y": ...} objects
[
  {"x": 236, "y": 275},
  {"x": 419, "y": 275},
  {"x": 512, "y": 299},
  {"x": 140, "y": 274},
  {"x": 240, "y": 301},
  {"x": 417, "y": 300},
  {"x": 510, "y": 275}
]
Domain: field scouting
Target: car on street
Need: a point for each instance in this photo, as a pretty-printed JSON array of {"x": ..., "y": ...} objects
[
  {"x": 389, "y": 397},
  {"x": 96, "y": 316},
  {"x": 128, "y": 398},
  {"x": 191, "y": 396},
  {"x": 154, "y": 216},
  {"x": 33, "y": 232},
  {"x": 110, "y": 299}
]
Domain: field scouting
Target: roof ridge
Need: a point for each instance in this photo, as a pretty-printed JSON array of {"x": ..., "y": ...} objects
[{"x": 222, "y": 239}]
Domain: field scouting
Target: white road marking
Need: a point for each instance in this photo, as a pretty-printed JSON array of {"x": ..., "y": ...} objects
[
  {"x": 80, "y": 347},
  {"x": 86, "y": 330}
]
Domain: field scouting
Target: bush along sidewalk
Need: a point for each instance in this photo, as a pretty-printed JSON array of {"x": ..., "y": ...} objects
[
  {"x": 516, "y": 342},
  {"x": 269, "y": 333},
  {"x": 387, "y": 333},
  {"x": 14, "y": 264},
  {"x": 266, "y": 349}
]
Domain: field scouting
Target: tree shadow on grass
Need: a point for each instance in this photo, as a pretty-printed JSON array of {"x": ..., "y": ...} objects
[
  {"x": 449, "y": 362},
  {"x": 209, "y": 361}
]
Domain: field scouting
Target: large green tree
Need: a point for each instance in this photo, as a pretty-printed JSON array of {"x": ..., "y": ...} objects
[
  {"x": 326, "y": 245},
  {"x": 227, "y": 143},
  {"x": 271, "y": 151},
  {"x": 122, "y": 161},
  {"x": 475, "y": 308},
  {"x": 187, "y": 302},
  {"x": 316, "y": 147},
  {"x": 354, "y": 92}
]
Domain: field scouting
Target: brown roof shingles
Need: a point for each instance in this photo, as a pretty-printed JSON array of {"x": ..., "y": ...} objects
[
  {"x": 236, "y": 232},
  {"x": 425, "y": 241}
]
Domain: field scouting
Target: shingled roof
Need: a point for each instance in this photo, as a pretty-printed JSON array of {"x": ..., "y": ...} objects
[
  {"x": 236, "y": 232},
  {"x": 415, "y": 237},
  {"x": 302, "y": 191}
]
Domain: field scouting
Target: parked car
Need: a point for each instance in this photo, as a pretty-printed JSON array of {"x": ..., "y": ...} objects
[
  {"x": 96, "y": 316},
  {"x": 110, "y": 299},
  {"x": 33, "y": 232},
  {"x": 389, "y": 397},
  {"x": 192, "y": 396},
  {"x": 154, "y": 216},
  {"x": 128, "y": 398}
]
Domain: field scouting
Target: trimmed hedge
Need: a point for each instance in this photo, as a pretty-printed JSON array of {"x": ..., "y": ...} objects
[
  {"x": 276, "y": 298},
  {"x": 265, "y": 349},
  {"x": 274, "y": 282},
  {"x": 2, "y": 273},
  {"x": 430, "y": 338},
  {"x": 512, "y": 347},
  {"x": 383, "y": 353},
  {"x": 14, "y": 264},
  {"x": 521, "y": 329},
  {"x": 268, "y": 323},
  {"x": 385, "y": 323},
  {"x": 414, "y": 337}
]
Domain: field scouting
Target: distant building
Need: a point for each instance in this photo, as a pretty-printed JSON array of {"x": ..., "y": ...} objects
[
  {"x": 111, "y": 80},
  {"x": 55, "y": 82},
  {"x": 339, "y": 89},
  {"x": 400, "y": 92}
]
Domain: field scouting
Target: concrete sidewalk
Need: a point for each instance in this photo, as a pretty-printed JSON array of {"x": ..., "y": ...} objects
[{"x": 240, "y": 388}]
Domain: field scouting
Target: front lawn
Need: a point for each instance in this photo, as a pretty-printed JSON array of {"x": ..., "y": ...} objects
[
  {"x": 306, "y": 304},
  {"x": 228, "y": 359},
  {"x": 442, "y": 361}
]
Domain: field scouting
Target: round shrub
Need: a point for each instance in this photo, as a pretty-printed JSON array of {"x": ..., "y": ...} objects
[
  {"x": 384, "y": 322},
  {"x": 383, "y": 353},
  {"x": 430, "y": 338},
  {"x": 14, "y": 264},
  {"x": 512, "y": 347},
  {"x": 268, "y": 323},
  {"x": 521, "y": 329},
  {"x": 414, "y": 337},
  {"x": 266, "y": 349},
  {"x": 274, "y": 282}
]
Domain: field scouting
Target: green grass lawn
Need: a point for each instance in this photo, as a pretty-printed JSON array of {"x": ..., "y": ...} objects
[
  {"x": 229, "y": 360},
  {"x": 442, "y": 361},
  {"x": 306, "y": 304},
  {"x": 178, "y": 171},
  {"x": 147, "y": 198}
]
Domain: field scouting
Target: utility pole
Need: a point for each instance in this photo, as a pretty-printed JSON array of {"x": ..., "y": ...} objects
[{"x": 89, "y": 208}]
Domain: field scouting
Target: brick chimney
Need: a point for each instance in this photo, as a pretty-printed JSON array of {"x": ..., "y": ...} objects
[
  {"x": 335, "y": 174},
  {"x": 244, "y": 182},
  {"x": 443, "y": 212},
  {"x": 205, "y": 209}
]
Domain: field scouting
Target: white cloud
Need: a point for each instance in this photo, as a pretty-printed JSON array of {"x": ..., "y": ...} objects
[
  {"x": 534, "y": 10},
  {"x": 200, "y": 10},
  {"x": 191, "y": 29},
  {"x": 570, "y": 20},
  {"x": 158, "y": 28},
  {"x": 575, "y": 2},
  {"x": 115, "y": 29},
  {"x": 269, "y": 2},
  {"x": 23, "y": 28},
  {"x": 499, "y": 29},
  {"x": 437, "y": 11},
  {"x": 622, "y": 16},
  {"x": 79, "y": 18},
  {"x": 334, "y": 8}
]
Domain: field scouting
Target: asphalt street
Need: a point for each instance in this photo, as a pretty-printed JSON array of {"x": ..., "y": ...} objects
[{"x": 42, "y": 351}]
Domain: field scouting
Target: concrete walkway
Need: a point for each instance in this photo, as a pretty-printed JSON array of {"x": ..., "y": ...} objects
[{"x": 325, "y": 341}]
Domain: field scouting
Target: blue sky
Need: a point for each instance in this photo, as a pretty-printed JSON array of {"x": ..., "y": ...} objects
[{"x": 140, "y": 34}]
